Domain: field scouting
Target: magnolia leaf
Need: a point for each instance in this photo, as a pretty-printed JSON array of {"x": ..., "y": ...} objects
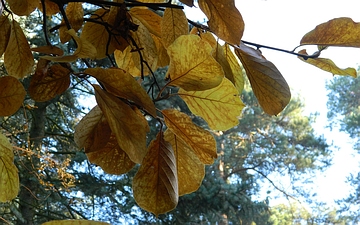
[
  {"x": 237, "y": 72},
  {"x": 155, "y": 185},
  {"x": 173, "y": 24},
  {"x": 225, "y": 19},
  {"x": 75, "y": 13},
  {"x": 5, "y": 29},
  {"x": 18, "y": 59},
  {"x": 219, "y": 106},
  {"x": 84, "y": 50},
  {"x": 21, "y": 7},
  {"x": 50, "y": 7},
  {"x": 9, "y": 178},
  {"x": 125, "y": 61},
  {"x": 75, "y": 222},
  {"x": 336, "y": 32},
  {"x": 148, "y": 18},
  {"x": 198, "y": 139},
  {"x": 126, "y": 124},
  {"x": 191, "y": 65},
  {"x": 123, "y": 85},
  {"x": 45, "y": 86},
  {"x": 12, "y": 95},
  {"x": 328, "y": 65},
  {"x": 269, "y": 86},
  {"x": 48, "y": 50},
  {"x": 190, "y": 170}
]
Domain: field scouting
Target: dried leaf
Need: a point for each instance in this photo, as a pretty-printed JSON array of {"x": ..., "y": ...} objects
[
  {"x": 198, "y": 139},
  {"x": 190, "y": 170},
  {"x": 328, "y": 65},
  {"x": 225, "y": 19},
  {"x": 173, "y": 24},
  {"x": 21, "y": 7},
  {"x": 191, "y": 65},
  {"x": 75, "y": 14},
  {"x": 269, "y": 86},
  {"x": 18, "y": 59},
  {"x": 126, "y": 124},
  {"x": 148, "y": 18},
  {"x": 12, "y": 95},
  {"x": 75, "y": 222},
  {"x": 336, "y": 32},
  {"x": 5, "y": 29},
  {"x": 219, "y": 106},
  {"x": 9, "y": 178},
  {"x": 155, "y": 185},
  {"x": 123, "y": 85},
  {"x": 51, "y": 8},
  {"x": 48, "y": 50}
]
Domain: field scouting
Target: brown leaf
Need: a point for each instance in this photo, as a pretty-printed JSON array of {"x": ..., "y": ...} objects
[
  {"x": 45, "y": 86},
  {"x": 173, "y": 24},
  {"x": 225, "y": 19},
  {"x": 5, "y": 29},
  {"x": 48, "y": 50},
  {"x": 75, "y": 13},
  {"x": 189, "y": 3},
  {"x": 269, "y": 86},
  {"x": 18, "y": 59},
  {"x": 163, "y": 57},
  {"x": 190, "y": 170},
  {"x": 75, "y": 222},
  {"x": 200, "y": 140},
  {"x": 12, "y": 95},
  {"x": 21, "y": 7},
  {"x": 155, "y": 185},
  {"x": 126, "y": 124},
  {"x": 50, "y": 7},
  {"x": 237, "y": 70},
  {"x": 336, "y": 32}
]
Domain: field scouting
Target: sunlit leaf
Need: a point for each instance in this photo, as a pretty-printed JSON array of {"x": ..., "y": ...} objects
[
  {"x": 45, "y": 86},
  {"x": 173, "y": 24},
  {"x": 48, "y": 50},
  {"x": 12, "y": 94},
  {"x": 120, "y": 83},
  {"x": 148, "y": 18},
  {"x": 237, "y": 71},
  {"x": 155, "y": 185},
  {"x": 225, "y": 19},
  {"x": 75, "y": 13},
  {"x": 74, "y": 222},
  {"x": 190, "y": 169},
  {"x": 198, "y": 139},
  {"x": 5, "y": 29},
  {"x": 328, "y": 65},
  {"x": 18, "y": 59},
  {"x": 192, "y": 66},
  {"x": 220, "y": 106},
  {"x": 336, "y": 32},
  {"x": 129, "y": 130},
  {"x": 269, "y": 86},
  {"x": 21, "y": 7},
  {"x": 9, "y": 178}
]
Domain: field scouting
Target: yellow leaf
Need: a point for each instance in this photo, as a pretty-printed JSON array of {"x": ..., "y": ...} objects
[
  {"x": 237, "y": 71},
  {"x": 328, "y": 65},
  {"x": 190, "y": 170},
  {"x": 126, "y": 124},
  {"x": 225, "y": 19},
  {"x": 124, "y": 60},
  {"x": 84, "y": 50},
  {"x": 75, "y": 222},
  {"x": 173, "y": 24},
  {"x": 198, "y": 139},
  {"x": 269, "y": 86},
  {"x": 123, "y": 85},
  {"x": 45, "y": 85},
  {"x": 5, "y": 29},
  {"x": 148, "y": 18},
  {"x": 163, "y": 57},
  {"x": 12, "y": 95},
  {"x": 336, "y": 32},
  {"x": 75, "y": 13},
  {"x": 219, "y": 106},
  {"x": 22, "y": 7},
  {"x": 9, "y": 178},
  {"x": 48, "y": 50},
  {"x": 18, "y": 59},
  {"x": 191, "y": 65},
  {"x": 155, "y": 185}
]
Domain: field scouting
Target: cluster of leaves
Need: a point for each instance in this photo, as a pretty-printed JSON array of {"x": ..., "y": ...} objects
[{"x": 139, "y": 40}]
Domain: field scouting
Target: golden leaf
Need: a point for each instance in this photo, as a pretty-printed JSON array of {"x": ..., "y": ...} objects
[
  {"x": 121, "y": 84},
  {"x": 237, "y": 72},
  {"x": 124, "y": 60},
  {"x": 198, "y": 139},
  {"x": 129, "y": 130},
  {"x": 9, "y": 178},
  {"x": 48, "y": 50},
  {"x": 190, "y": 170},
  {"x": 219, "y": 106},
  {"x": 50, "y": 7},
  {"x": 75, "y": 222},
  {"x": 336, "y": 32},
  {"x": 163, "y": 57},
  {"x": 191, "y": 65},
  {"x": 328, "y": 65},
  {"x": 21, "y": 7},
  {"x": 269, "y": 86},
  {"x": 225, "y": 19},
  {"x": 75, "y": 14},
  {"x": 18, "y": 59},
  {"x": 12, "y": 95},
  {"x": 5, "y": 29},
  {"x": 45, "y": 86},
  {"x": 173, "y": 24},
  {"x": 84, "y": 50},
  {"x": 155, "y": 185},
  {"x": 148, "y": 18}
]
